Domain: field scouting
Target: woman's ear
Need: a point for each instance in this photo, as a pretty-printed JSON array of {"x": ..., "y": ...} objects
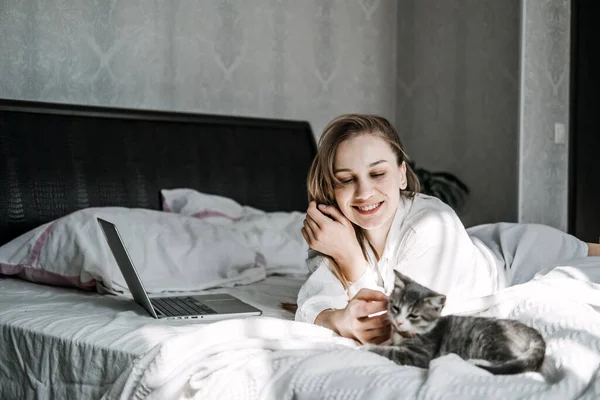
[{"x": 402, "y": 180}]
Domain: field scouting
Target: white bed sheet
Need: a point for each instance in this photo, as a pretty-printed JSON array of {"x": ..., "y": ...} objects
[
  {"x": 266, "y": 358},
  {"x": 65, "y": 343}
]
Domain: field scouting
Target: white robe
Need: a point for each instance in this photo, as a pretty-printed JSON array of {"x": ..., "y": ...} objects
[{"x": 428, "y": 242}]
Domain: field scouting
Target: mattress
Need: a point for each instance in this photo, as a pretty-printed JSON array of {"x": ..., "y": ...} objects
[{"x": 66, "y": 343}]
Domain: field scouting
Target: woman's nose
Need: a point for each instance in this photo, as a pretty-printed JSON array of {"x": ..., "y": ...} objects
[{"x": 364, "y": 190}]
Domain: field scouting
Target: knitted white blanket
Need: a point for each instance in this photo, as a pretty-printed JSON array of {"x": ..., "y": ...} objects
[{"x": 264, "y": 358}]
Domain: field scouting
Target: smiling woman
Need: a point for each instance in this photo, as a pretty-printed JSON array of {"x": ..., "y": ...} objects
[
  {"x": 366, "y": 219},
  {"x": 366, "y": 190},
  {"x": 364, "y": 176}
]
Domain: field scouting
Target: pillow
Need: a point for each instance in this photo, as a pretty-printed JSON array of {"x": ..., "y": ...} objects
[
  {"x": 217, "y": 210},
  {"x": 171, "y": 252},
  {"x": 274, "y": 235}
]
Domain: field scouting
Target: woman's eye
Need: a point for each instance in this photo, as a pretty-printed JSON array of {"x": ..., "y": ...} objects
[
  {"x": 378, "y": 175},
  {"x": 413, "y": 316}
]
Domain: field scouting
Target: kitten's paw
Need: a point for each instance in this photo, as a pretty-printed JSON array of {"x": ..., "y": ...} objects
[
  {"x": 480, "y": 363},
  {"x": 385, "y": 351}
]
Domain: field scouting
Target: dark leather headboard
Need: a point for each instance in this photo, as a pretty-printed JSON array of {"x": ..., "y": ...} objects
[{"x": 58, "y": 158}]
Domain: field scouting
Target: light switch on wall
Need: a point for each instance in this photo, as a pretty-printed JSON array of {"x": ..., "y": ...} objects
[{"x": 560, "y": 133}]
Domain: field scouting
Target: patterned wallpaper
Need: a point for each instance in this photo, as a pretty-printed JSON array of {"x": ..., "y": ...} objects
[
  {"x": 308, "y": 60},
  {"x": 458, "y": 94},
  {"x": 543, "y": 173},
  {"x": 446, "y": 71}
]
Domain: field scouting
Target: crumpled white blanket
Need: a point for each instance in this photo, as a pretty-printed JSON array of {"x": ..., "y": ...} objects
[{"x": 264, "y": 358}]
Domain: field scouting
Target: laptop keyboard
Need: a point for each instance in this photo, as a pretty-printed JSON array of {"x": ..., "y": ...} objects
[{"x": 181, "y": 306}]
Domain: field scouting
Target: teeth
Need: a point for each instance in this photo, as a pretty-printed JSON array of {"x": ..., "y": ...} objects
[{"x": 369, "y": 208}]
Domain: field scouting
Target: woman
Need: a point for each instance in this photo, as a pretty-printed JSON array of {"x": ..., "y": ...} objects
[{"x": 366, "y": 218}]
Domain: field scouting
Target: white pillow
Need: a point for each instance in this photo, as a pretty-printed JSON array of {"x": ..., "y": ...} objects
[
  {"x": 171, "y": 252},
  {"x": 275, "y": 235},
  {"x": 217, "y": 210}
]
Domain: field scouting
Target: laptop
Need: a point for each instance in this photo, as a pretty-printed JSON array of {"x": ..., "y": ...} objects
[{"x": 206, "y": 307}]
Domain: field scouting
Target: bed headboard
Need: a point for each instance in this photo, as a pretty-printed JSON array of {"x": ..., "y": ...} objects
[{"x": 58, "y": 158}]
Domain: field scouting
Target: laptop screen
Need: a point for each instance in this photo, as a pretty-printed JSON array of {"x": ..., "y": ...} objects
[{"x": 126, "y": 265}]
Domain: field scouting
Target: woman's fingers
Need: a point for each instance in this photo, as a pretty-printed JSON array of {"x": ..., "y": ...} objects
[
  {"x": 375, "y": 330},
  {"x": 365, "y": 308},
  {"x": 305, "y": 235},
  {"x": 322, "y": 212},
  {"x": 333, "y": 212},
  {"x": 308, "y": 221},
  {"x": 370, "y": 295},
  {"x": 374, "y": 322},
  {"x": 380, "y": 339},
  {"x": 376, "y": 336},
  {"x": 311, "y": 229},
  {"x": 308, "y": 234},
  {"x": 377, "y": 333},
  {"x": 318, "y": 217}
]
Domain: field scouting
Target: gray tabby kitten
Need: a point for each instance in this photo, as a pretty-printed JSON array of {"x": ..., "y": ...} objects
[{"x": 420, "y": 334}]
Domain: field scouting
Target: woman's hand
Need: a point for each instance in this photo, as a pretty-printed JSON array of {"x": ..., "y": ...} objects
[
  {"x": 354, "y": 322},
  {"x": 328, "y": 231}
]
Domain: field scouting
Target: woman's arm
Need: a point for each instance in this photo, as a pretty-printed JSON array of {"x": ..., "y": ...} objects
[
  {"x": 329, "y": 232},
  {"x": 323, "y": 301},
  {"x": 352, "y": 265},
  {"x": 330, "y": 319},
  {"x": 593, "y": 249},
  {"x": 354, "y": 321},
  {"x": 321, "y": 291}
]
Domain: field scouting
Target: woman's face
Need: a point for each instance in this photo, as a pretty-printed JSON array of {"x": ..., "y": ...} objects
[{"x": 370, "y": 180}]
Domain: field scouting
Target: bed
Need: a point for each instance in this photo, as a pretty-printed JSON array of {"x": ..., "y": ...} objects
[{"x": 64, "y": 341}]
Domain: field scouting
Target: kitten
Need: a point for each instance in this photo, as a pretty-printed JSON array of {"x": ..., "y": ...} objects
[{"x": 420, "y": 334}]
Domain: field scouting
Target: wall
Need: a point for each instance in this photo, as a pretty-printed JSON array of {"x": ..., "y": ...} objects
[
  {"x": 543, "y": 173},
  {"x": 457, "y": 96},
  {"x": 453, "y": 90},
  {"x": 308, "y": 60}
]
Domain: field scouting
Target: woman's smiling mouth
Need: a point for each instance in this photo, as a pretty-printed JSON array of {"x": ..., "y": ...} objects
[{"x": 368, "y": 209}]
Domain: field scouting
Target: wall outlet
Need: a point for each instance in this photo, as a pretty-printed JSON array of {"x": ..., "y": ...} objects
[{"x": 560, "y": 133}]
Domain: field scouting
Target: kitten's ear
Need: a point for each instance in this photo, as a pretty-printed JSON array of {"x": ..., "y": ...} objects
[
  {"x": 437, "y": 302},
  {"x": 401, "y": 280}
]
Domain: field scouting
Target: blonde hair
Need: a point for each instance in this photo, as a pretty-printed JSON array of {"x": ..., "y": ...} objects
[{"x": 321, "y": 179}]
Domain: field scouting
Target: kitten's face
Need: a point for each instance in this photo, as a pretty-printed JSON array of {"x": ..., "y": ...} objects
[{"x": 412, "y": 308}]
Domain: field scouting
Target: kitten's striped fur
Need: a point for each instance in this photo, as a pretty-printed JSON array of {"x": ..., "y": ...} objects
[{"x": 420, "y": 334}]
